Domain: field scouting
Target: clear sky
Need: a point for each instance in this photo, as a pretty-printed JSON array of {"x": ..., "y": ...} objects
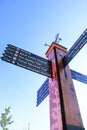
[{"x": 29, "y": 24}]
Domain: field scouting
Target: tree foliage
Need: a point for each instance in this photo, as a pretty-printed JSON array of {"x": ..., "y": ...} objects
[{"x": 6, "y": 119}]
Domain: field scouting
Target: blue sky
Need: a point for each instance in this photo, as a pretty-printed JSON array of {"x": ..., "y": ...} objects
[{"x": 29, "y": 25}]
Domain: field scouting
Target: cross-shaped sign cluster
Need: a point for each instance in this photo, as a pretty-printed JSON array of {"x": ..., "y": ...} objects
[{"x": 56, "y": 63}]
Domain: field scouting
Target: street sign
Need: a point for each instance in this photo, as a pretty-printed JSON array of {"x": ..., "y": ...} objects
[
  {"x": 27, "y": 60},
  {"x": 82, "y": 40},
  {"x": 79, "y": 77},
  {"x": 43, "y": 92}
]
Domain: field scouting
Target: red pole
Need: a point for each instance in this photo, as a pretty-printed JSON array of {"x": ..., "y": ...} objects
[{"x": 64, "y": 109}]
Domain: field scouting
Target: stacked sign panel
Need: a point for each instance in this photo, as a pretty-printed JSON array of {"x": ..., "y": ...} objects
[
  {"x": 27, "y": 60},
  {"x": 43, "y": 92},
  {"x": 82, "y": 40}
]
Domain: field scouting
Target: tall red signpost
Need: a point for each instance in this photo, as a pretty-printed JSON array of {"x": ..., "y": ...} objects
[{"x": 64, "y": 109}]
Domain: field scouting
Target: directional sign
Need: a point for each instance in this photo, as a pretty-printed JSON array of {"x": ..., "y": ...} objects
[
  {"x": 43, "y": 92},
  {"x": 82, "y": 40},
  {"x": 27, "y": 60},
  {"x": 79, "y": 77}
]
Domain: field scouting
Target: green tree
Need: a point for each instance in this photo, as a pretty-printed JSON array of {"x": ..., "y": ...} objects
[{"x": 6, "y": 119}]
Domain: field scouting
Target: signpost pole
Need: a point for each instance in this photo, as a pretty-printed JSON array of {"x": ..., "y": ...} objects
[{"x": 64, "y": 109}]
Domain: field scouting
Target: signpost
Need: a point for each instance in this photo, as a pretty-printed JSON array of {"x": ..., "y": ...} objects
[{"x": 64, "y": 109}]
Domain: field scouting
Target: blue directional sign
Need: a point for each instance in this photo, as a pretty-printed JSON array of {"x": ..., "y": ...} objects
[
  {"x": 43, "y": 92},
  {"x": 79, "y": 77},
  {"x": 82, "y": 40},
  {"x": 27, "y": 60}
]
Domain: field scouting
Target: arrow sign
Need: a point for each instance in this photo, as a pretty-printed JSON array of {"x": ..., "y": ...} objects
[
  {"x": 79, "y": 77},
  {"x": 27, "y": 60},
  {"x": 82, "y": 40},
  {"x": 43, "y": 92}
]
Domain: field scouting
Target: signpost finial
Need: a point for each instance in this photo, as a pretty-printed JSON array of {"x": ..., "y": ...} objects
[{"x": 57, "y": 39}]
